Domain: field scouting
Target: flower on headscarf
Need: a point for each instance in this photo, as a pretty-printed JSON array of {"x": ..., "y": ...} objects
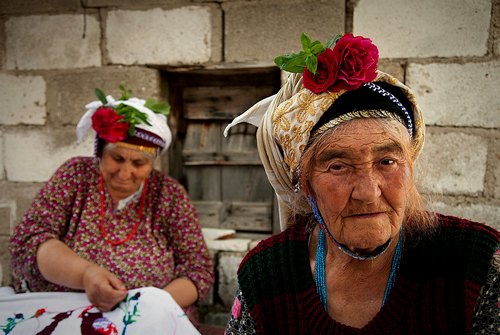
[
  {"x": 350, "y": 63},
  {"x": 109, "y": 125},
  {"x": 357, "y": 58},
  {"x": 115, "y": 124},
  {"x": 326, "y": 73}
]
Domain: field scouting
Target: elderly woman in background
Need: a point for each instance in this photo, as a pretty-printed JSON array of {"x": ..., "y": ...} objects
[
  {"x": 359, "y": 254},
  {"x": 110, "y": 223}
]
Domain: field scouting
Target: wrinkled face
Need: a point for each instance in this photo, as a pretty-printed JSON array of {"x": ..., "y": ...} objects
[
  {"x": 124, "y": 170},
  {"x": 359, "y": 179}
]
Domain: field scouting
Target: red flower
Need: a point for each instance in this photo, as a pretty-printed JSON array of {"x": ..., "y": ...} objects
[
  {"x": 326, "y": 73},
  {"x": 351, "y": 63},
  {"x": 108, "y": 125},
  {"x": 357, "y": 59}
]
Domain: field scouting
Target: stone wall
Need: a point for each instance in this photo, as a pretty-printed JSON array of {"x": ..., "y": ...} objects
[{"x": 53, "y": 53}]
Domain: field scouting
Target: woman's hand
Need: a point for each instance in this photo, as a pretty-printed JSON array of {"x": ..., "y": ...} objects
[{"x": 104, "y": 290}]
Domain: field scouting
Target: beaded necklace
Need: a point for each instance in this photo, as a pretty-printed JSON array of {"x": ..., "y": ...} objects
[
  {"x": 139, "y": 215},
  {"x": 319, "y": 266}
]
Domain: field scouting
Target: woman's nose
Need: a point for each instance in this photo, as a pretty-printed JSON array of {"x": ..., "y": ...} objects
[
  {"x": 366, "y": 187},
  {"x": 125, "y": 171}
]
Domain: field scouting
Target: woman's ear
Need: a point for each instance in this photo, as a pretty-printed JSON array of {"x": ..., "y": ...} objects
[{"x": 305, "y": 185}]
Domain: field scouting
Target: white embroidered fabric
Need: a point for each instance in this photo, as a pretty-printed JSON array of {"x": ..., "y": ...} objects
[{"x": 145, "y": 310}]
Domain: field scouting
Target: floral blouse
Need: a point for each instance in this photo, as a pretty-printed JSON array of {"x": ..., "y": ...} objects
[{"x": 168, "y": 243}]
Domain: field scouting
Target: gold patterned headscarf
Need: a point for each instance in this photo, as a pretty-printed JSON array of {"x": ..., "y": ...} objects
[
  {"x": 285, "y": 121},
  {"x": 321, "y": 74}
]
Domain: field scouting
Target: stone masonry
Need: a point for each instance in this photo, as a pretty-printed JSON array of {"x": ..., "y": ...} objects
[{"x": 53, "y": 53}]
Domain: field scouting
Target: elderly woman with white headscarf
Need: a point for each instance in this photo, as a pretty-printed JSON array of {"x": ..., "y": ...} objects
[
  {"x": 359, "y": 254},
  {"x": 110, "y": 223}
]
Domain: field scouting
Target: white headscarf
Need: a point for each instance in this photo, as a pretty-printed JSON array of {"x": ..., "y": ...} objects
[{"x": 158, "y": 122}]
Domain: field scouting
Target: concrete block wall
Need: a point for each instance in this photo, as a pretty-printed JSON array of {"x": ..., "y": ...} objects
[
  {"x": 449, "y": 52},
  {"x": 54, "y": 53}
]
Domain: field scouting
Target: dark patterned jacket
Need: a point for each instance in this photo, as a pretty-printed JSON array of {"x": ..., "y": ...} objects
[{"x": 444, "y": 280}]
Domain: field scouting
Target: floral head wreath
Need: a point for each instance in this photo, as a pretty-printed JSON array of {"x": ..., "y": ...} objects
[
  {"x": 127, "y": 118},
  {"x": 320, "y": 74}
]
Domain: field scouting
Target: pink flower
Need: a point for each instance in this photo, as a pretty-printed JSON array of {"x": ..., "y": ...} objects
[
  {"x": 356, "y": 58},
  {"x": 326, "y": 73},
  {"x": 108, "y": 125}
]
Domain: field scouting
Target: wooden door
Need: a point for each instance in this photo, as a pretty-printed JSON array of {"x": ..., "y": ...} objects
[{"x": 224, "y": 176}]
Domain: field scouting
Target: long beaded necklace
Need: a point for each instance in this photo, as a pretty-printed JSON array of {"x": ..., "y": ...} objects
[
  {"x": 139, "y": 215},
  {"x": 319, "y": 267}
]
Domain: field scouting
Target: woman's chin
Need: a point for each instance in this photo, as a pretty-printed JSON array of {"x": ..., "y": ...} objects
[
  {"x": 125, "y": 188},
  {"x": 369, "y": 248}
]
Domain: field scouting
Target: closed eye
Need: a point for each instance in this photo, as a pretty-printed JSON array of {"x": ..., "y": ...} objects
[
  {"x": 118, "y": 159},
  {"x": 139, "y": 163}
]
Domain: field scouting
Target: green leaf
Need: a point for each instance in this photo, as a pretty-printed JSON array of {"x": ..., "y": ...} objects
[
  {"x": 317, "y": 48},
  {"x": 311, "y": 47},
  {"x": 131, "y": 129},
  {"x": 305, "y": 40},
  {"x": 161, "y": 108},
  {"x": 333, "y": 40},
  {"x": 132, "y": 116},
  {"x": 308, "y": 58},
  {"x": 294, "y": 63},
  {"x": 124, "y": 110},
  {"x": 100, "y": 95},
  {"x": 312, "y": 64},
  {"x": 149, "y": 103},
  {"x": 158, "y": 107},
  {"x": 141, "y": 116},
  {"x": 126, "y": 94},
  {"x": 144, "y": 119}
]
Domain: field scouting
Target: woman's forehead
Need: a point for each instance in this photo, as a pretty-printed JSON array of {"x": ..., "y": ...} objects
[
  {"x": 366, "y": 128},
  {"x": 360, "y": 151},
  {"x": 126, "y": 152}
]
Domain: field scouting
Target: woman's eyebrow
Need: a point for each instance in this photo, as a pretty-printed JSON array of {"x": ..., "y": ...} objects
[
  {"x": 390, "y": 147},
  {"x": 329, "y": 154}
]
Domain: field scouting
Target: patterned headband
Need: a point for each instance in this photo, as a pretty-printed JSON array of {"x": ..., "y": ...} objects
[
  {"x": 371, "y": 113},
  {"x": 401, "y": 115},
  {"x": 407, "y": 118}
]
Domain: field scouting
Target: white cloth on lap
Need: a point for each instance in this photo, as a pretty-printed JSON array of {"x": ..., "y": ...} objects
[{"x": 146, "y": 310}]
